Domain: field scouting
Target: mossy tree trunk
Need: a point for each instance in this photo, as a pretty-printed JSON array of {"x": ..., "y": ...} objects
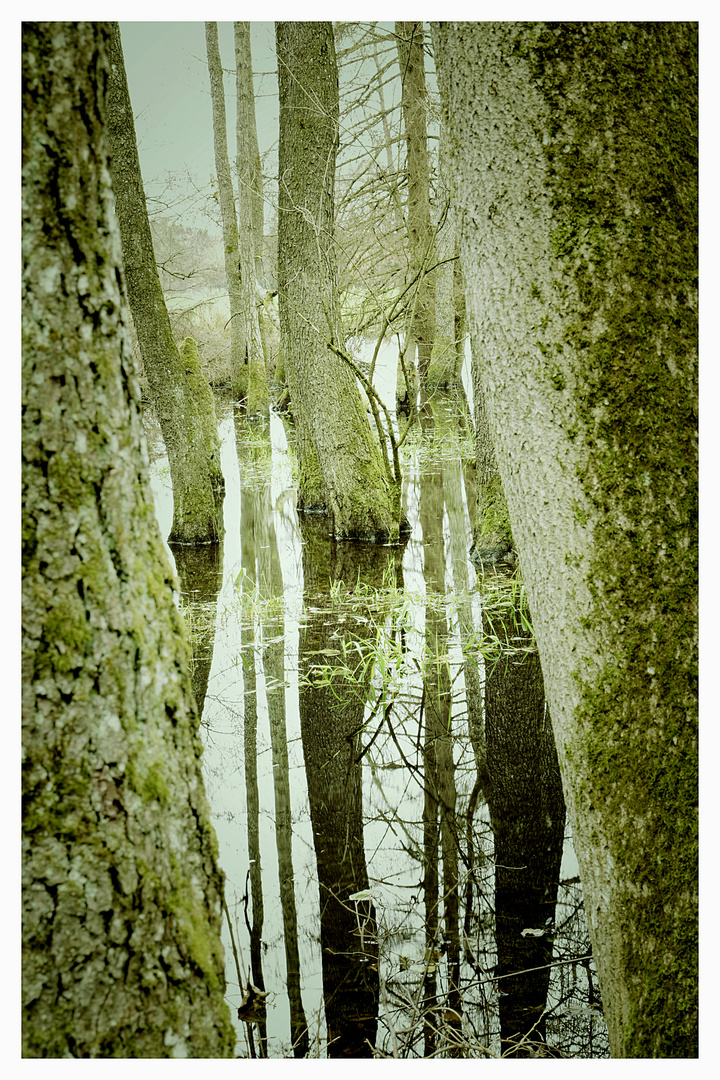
[
  {"x": 248, "y": 172},
  {"x": 226, "y": 198},
  {"x": 411, "y": 58},
  {"x": 180, "y": 394},
  {"x": 341, "y": 469},
  {"x": 575, "y": 158},
  {"x": 121, "y": 889}
]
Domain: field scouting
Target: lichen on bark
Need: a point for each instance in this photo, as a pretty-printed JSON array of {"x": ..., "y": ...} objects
[{"x": 121, "y": 888}]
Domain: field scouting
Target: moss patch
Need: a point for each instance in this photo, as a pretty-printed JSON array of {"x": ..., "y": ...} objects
[{"x": 622, "y": 168}]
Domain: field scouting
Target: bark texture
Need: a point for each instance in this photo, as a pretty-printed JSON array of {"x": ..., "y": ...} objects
[
  {"x": 341, "y": 470},
  {"x": 575, "y": 157},
  {"x": 226, "y": 198},
  {"x": 247, "y": 143},
  {"x": 121, "y": 889},
  {"x": 180, "y": 393}
]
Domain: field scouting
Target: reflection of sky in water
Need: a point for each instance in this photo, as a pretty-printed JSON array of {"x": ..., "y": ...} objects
[{"x": 393, "y": 800}]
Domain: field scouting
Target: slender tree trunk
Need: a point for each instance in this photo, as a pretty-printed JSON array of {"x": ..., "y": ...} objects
[
  {"x": 341, "y": 469},
  {"x": 226, "y": 196},
  {"x": 250, "y": 234},
  {"x": 575, "y": 163},
  {"x": 180, "y": 394},
  {"x": 406, "y": 387},
  {"x": 409, "y": 37},
  {"x": 406, "y": 383},
  {"x": 247, "y": 142},
  {"x": 121, "y": 889},
  {"x": 392, "y": 168}
]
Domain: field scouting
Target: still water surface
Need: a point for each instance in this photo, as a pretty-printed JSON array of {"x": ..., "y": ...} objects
[{"x": 400, "y": 879}]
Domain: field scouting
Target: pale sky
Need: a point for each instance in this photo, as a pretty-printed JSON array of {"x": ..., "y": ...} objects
[{"x": 166, "y": 64}]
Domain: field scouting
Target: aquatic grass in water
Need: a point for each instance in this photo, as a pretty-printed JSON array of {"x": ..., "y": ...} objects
[
  {"x": 389, "y": 659},
  {"x": 373, "y": 660}
]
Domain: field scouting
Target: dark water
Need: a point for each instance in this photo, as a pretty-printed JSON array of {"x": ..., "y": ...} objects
[{"x": 384, "y": 785}]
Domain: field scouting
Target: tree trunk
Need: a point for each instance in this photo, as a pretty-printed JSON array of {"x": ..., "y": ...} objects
[
  {"x": 575, "y": 156},
  {"x": 251, "y": 222},
  {"x": 247, "y": 142},
  {"x": 121, "y": 890},
  {"x": 341, "y": 470},
  {"x": 409, "y": 37},
  {"x": 226, "y": 197},
  {"x": 180, "y": 394}
]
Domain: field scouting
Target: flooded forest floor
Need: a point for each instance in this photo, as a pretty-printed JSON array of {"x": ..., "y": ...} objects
[{"x": 400, "y": 878}]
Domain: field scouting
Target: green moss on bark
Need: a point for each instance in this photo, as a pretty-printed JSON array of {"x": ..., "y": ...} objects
[
  {"x": 623, "y": 176},
  {"x": 492, "y": 534},
  {"x": 111, "y": 780}
]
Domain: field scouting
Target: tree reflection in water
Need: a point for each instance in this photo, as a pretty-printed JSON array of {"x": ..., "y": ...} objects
[
  {"x": 377, "y": 780},
  {"x": 527, "y": 811},
  {"x": 332, "y": 721}
]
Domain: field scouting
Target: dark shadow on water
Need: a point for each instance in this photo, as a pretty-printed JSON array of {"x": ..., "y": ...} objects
[
  {"x": 499, "y": 958},
  {"x": 199, "y": 570},
  {"x": 527, "y": 810},
  {"x": 331, "y": 721}
]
